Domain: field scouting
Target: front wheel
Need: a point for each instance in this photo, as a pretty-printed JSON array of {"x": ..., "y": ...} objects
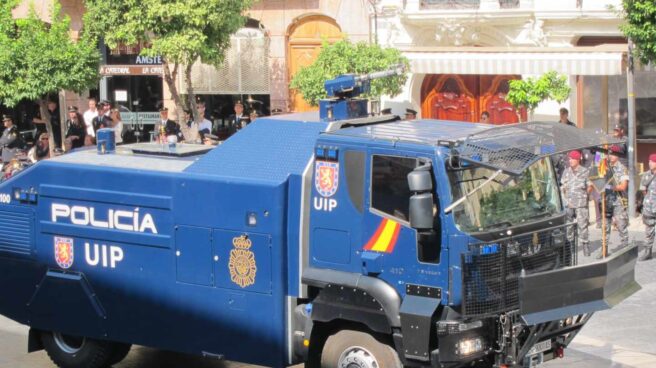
[
  {"x": 355, "y": 349},
  {"x": 76, "y": 352}
]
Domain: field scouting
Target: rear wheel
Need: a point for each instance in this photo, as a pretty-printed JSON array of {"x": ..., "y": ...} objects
[
  {"x": 76, "y": 352},
  {"x": 355, "y": 349}
]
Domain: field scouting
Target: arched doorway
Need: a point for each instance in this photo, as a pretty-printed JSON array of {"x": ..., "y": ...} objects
[
  {"x": 465, "y": 97},
  {"x": 304, "y": 39}
]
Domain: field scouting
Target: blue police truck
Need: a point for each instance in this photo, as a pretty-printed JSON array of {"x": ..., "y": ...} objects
[{"x": 337, "y": 239}]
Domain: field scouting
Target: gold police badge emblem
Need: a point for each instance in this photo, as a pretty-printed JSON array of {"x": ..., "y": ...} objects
[{"x": 242, "y": 262}]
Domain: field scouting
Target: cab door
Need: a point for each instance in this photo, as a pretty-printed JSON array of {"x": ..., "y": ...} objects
[{"x": 391, "y": 249}]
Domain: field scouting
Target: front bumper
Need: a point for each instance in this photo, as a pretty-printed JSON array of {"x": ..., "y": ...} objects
[
  {"x": 558, "y": 294},
  {"x": 554, "y": 305}
]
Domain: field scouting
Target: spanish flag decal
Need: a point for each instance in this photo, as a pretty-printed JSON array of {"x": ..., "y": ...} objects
[{"x": 385, "y": 237}]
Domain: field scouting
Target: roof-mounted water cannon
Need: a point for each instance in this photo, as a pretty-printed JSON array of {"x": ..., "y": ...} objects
[{"x": 343, "y": 91}]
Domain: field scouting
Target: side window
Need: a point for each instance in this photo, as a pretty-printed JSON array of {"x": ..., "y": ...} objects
[{"x": 389, "y": 185}]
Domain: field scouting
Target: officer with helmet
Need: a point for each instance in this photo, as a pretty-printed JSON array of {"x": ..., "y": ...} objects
[{"x": 576, "y": 186}]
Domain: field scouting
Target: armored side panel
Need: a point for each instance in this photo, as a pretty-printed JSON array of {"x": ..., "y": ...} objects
[{"x": 185, "y": 254}]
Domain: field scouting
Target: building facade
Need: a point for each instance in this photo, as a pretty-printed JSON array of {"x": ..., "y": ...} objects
[
  {"x": 279, "y": 38},
  {"x": 464, "y": 52}
]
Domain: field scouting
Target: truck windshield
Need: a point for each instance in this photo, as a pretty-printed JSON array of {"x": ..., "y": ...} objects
[{"x": 506, "y": 200}]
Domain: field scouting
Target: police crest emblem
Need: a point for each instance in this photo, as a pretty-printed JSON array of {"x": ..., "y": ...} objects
[
  {"x": 64, "y": 252},
  {"x": 326, "y": 178},
  {"x": 242, "y": 264}
]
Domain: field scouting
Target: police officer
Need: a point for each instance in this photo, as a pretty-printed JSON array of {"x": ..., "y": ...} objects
[
  {"x": 10, "y": 141},
  {"x": 170, "y": 127},
  {"x": 410, "y": 114},
  {"x": 648, "y": 186},
  {"x": 615, "y": 191},
  {"x": 238, "y": 120},
  {"x": 576, "y": 188}
]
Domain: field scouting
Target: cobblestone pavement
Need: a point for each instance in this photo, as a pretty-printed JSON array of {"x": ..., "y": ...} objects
[{"x": 620, "y": 338}]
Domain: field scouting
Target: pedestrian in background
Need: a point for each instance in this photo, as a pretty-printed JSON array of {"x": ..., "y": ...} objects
[
  {"x": 410, "y": 114},
  {"x": 485, "y": 117},
  {"x": 204, "y": 124},
  {"x": 102, "y": 120},
  {"x": 238, "y": 120},
  {"x": 167, "y": 127},
  {"x": 89, "y": 115},
  {"x": 41, "y": 150},
  {"x": 648, "y": 186},
  {"x": 77, "y": 130},
  {"x": 117, "y": 125},
  {"x": 11, "y": 140},
  {"x": 564, "y": 117},
  {"x": 618, "y": 132},
  {"x": 615, "y": 192},
  {"x": 576, "y": 186}
]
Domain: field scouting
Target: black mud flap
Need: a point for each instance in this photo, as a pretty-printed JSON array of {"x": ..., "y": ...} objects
[{"x": 553, "y": 295}]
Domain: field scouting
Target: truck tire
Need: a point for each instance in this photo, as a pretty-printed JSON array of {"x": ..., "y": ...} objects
[
  {"x": 76, "y": 352},
  {"x": 355, "y": 349},
  {"x": 121, "y": 350}
]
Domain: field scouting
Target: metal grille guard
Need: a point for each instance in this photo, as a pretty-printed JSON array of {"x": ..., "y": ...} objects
[{"x": 513, "y": 148}]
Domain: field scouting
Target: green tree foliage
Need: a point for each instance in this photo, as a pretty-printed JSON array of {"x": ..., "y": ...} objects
[
  {"x": 180, "y": 31},
  {"x": 344, "y": 57},
  {"x": 640, "y": 27},
  {"x": 530, "y": 92},
  {"x": 39, "y": 59}
]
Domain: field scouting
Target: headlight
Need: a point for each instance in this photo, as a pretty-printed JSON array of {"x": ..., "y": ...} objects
[{"x": 469, "y": 346}]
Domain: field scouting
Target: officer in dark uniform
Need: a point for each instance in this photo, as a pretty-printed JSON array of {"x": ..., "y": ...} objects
[
  {"x": 77, "y": 130},
  {"x": 102, "y": 120},
  {"x": 410, "y": 114},
  {"x": 171, "y": 128},
  {"x": 238, "y": 120},
  {"x": 10, "y": 141}
]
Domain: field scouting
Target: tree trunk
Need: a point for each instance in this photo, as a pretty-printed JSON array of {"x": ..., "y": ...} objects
[
  {"x": 191, "y": 96},
  {"x": 45, "y": 116},
  {"x": 170, "y": 76}
]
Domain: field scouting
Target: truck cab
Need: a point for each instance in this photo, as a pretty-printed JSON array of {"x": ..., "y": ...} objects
[{"x": 461, "y": 256}]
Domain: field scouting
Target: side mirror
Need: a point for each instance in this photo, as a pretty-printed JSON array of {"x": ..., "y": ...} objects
[
  {"x": 421, "y": 203},
  {"x": 420, "y": 181},
  {"x": 421, "y": 211}
]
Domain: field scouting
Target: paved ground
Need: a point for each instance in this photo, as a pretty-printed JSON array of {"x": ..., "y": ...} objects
[{"x": 621, "y": 338}]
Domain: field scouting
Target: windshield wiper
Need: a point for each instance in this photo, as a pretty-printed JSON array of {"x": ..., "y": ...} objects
[{"x": 463, "y": 198}]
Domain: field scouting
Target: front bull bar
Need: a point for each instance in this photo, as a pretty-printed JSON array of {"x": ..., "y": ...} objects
[{"x": 553, "y": 295}]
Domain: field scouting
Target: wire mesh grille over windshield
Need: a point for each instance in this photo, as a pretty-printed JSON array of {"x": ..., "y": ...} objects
[{"x": 512, "y": 148}]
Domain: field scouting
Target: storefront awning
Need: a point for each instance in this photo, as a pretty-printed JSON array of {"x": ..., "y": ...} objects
[{"x": 606, "y": 60}]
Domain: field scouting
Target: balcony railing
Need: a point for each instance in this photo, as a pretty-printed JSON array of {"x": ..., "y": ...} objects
[
  {"x": 450, "y": 4},
  {"x": 509, "y": 4}
]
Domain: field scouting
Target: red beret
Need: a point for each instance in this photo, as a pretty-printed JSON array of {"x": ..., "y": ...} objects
[
  {"x": 575, "y": 155},
  {"x": 652, "y": 157},
  {"x": 615, "y": 148}
]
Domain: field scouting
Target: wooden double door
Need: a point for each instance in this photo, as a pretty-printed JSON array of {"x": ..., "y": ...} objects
[{"x": 465, "y": 97}]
